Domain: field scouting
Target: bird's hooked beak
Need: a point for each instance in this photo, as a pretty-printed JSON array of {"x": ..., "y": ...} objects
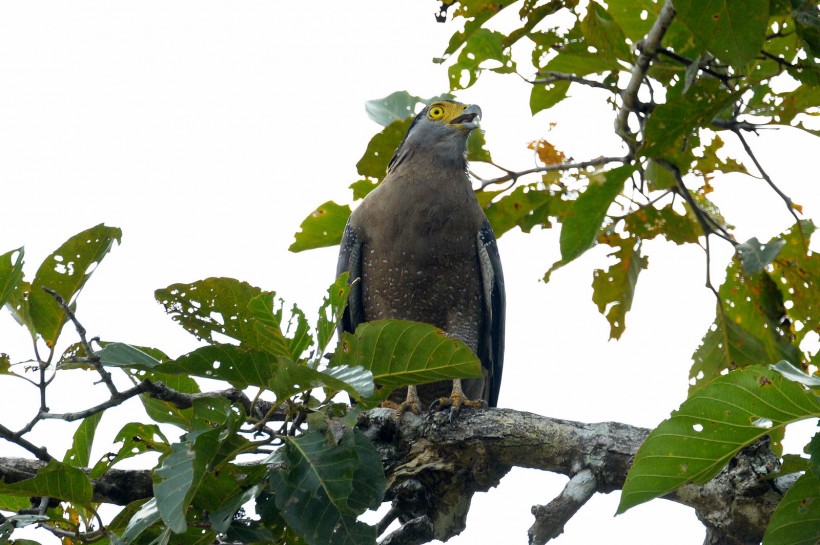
[{"x": 469, "y": 119}]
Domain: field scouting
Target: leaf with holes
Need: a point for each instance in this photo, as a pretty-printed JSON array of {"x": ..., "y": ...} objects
[
  {"x": 80, "y": 451},
  {"x": 323, "y": 227},
  {"x": 796, "y": 272},
  {"x": 649, "y": 222},
  {"x": 581, "y": 226},
  {"x": 11, "y": 273},
  {"x": 544, "y": 96},
  {"x": 399, "y": 353},
  {"x": 524, "y": 207},
  {"x": 220, "y": 306},
  {"x": 66, "y": 271},
  {"x": 380, "y": 149},
  {"x": 794, "y": 522},
  {"x": 604, "y": 34},
  {"x": 482, "y": 46},
  {"x": 710, "y": 427},
  {"x": 323, "y": 486},
  {"x": 614, "y": 288},
  {"x": 732, "y": 31},
  {"x": 136, "y": 439}
]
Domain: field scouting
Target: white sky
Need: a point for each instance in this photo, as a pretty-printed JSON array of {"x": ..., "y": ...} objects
[{"x": 207, "y": 131}]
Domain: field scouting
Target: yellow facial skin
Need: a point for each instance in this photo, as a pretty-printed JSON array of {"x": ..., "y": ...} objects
[{"x": 461, "y": 116}]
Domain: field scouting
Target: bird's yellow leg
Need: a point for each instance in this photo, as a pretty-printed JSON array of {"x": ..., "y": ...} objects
[
  {"x": 456, "y": 400},
  {"x": 410, "y": 403}
]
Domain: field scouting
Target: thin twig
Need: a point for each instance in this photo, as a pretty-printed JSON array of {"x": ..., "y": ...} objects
[
  {"x": 40, "y": 452},
  {"x": 513, "y": 175},
  {"x": 724, "y": 78},
  {"x": 92, "y": 355},
  {"x": 552, "y": 77},
  {"x": 786, "y": 198}
]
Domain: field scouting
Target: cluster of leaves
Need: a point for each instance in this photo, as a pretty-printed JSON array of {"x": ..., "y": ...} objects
[
  {"x": 709, "y": 69},
  {"x": 308, "y": 479}
]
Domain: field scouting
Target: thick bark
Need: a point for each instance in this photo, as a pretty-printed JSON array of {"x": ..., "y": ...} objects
[{"x": 433, "y": 467}]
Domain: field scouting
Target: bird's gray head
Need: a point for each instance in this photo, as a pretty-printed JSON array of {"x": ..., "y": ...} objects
[{"x": 440, "y": 129}]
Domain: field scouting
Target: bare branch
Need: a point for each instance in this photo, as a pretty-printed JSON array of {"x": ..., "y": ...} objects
[
  {"x": 513, "y": 175},
  {"x": 550, "y": 519},
  {"x": 648, "y": 48}
]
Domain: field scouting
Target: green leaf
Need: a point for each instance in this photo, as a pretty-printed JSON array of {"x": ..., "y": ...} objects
[
  {"x": 727, "y": 345},
  {"x": 732, "y": 31},
  {"x": 285, "y": 378},
  {"x": 710, "y": 427},
  {"x": 66, "y": 271},
  {"x": 79, "y": 453},
  {"x": 581, "y": 226},
  {"x": 399, "y": 353},
  {"x": 380, "y": 149},
  {"x": 147, "y": 515},
  {"x": 221, "y": 519},
  {"x": 56, "y": 480},
  {"x": 125, "y": 355},
  {"x": 333, "y": 306},
  {"x": 628, "y": 15},
  {"x": 266, "y": 322},
  {"x": 477, "y": 148},
  {"x": 648, "y": 222},
  {"x": 136, "y": 439},
  {"x": 323, "y": 486},
  {"x": 228, "y": 307},
  {"x": 397, "y": 106},
  {"x": 796, "y": 272},
  {"x": 11, "y": 273},
  {"x": 182, "y": 471},
  {"x": 323, "y": 227},
  {"x": 613, "y": 289},
  {"x": 794, "y": 374},
  {"x": 545, "y": 96},
  {"x": 164, "y": 411},
  {"x": 681, "y": 114},
  {"x": 484, "y": 45},
  {"x": 794, "y": 522},
  {"x": 525, "y": 207},
  {"x": 755, "y": 257},
  {"x": 604, "y": 34},
  {"x": 807, "y": 24}
]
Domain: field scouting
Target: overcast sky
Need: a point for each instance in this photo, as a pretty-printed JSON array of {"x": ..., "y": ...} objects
[{"x": 207, "y": 131}]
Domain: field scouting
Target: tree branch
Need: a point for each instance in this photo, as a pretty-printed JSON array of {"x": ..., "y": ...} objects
[
  {"x": 648, "y": 48},
  {"x": 433, "y": 467}
]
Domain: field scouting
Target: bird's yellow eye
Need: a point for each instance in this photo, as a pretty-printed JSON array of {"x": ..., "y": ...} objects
[{"x": 436, "y": 112}]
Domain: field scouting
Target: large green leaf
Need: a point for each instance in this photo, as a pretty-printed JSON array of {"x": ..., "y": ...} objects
[
  {"x": 164, "y": 411},
  {"x": 323, "y": 227},
  {"x": 399, "y": 353},
  {"x": 220, "y": 305},
  {"x": 56, "y": 480},
  {"x": 732, "y": 30},
  {"x": 581, "y": 226},
  {"x": 125, "y": 355},
  {"x": 614, "y": 288},
  {"x": 66, "y": 271},
  {"x": 79, "y": 453},
  {"x": 323, "y": 486},
  {"x": 710, "y": 427},
  {"x": 11, "y": 273},
  {"x": 524, "y": 207},
  {"x": 795, "y": 521}
]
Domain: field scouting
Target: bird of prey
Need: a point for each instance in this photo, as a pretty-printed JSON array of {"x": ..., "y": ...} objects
[{"x": 419, "y": 247}]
